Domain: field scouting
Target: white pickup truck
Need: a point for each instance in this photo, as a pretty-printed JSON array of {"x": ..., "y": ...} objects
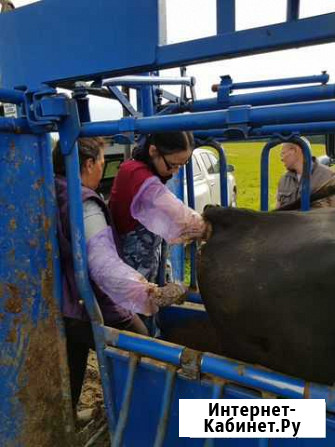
[{"x": 206, "y": 174}]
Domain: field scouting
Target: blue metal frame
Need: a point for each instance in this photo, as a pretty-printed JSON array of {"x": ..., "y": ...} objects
[
  {"x": 31, "y": 329},
  {"x": 46, "y": 111},
  {"x": 59, "y": 66},
  {"x": 226, "y": 369}
]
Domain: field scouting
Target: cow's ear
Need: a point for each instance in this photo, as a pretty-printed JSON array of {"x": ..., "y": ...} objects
[{"x": 209, "y": 206}]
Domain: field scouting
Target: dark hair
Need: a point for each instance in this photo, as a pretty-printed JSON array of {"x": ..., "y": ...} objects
[
  {"x": 167, "y": 143},
  {"x": 87, "y": 148}
]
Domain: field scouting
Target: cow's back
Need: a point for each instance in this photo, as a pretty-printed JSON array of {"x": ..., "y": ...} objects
[{"x": 267, "y": 281}]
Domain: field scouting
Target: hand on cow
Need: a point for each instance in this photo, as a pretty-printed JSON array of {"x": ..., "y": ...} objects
[
  {"x": 170, "y": 294},
  {"x": 194, "y": 231}
]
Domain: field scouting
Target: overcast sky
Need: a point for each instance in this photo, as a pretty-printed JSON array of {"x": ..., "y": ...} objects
[{"x": 191, "y": 19}]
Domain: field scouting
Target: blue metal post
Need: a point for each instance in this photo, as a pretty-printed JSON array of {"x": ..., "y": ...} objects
[
  {"x": 306, "y": 174},
  {"x": 225, "y": 16},
  {"x": 147, "y": 99},
  {"x": 124, "y": 412},
  {"x": 166, "y": 406},
  {"x": 223, "y": 176},
  {"x": 68, "y": 129},
  {"x": 265, "y": 173},
  {"x": 176, "y": 184},
  {"x": 292, "y": 10},
  {"x": 80, "y": 95},
  {"x": 191, "y": 204}
]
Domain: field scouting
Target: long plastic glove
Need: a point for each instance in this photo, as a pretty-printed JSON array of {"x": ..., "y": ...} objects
[
  {"x": 172, "y": 293},
  {"x": 155, "y": 207},
  {"x": 124, "y": 285}
]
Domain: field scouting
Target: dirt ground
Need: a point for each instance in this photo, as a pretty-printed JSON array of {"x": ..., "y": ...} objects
[{"x": 91, "y": 415}]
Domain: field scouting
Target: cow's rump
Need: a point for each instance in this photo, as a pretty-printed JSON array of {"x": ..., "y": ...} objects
[{"x": 267, "y": 281}]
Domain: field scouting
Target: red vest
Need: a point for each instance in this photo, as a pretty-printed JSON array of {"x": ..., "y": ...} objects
[{"x": 128, "y": 181}]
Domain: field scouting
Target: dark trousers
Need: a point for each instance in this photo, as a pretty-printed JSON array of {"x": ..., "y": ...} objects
[{"x": 79, "y": 340}]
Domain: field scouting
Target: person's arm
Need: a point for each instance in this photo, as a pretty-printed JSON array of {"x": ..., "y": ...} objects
[
  {"x": 123, "y": 284},
  {"x": 155, "y": 207}
]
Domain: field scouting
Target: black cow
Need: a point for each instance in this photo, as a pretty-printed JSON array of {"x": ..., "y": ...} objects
[{"x": 268, "y": 284}]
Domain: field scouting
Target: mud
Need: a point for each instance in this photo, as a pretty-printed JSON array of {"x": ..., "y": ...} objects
[{"x": 49, "y": 421}]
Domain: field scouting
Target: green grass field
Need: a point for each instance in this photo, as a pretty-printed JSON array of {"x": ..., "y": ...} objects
[{"x": 246, "y": 159}]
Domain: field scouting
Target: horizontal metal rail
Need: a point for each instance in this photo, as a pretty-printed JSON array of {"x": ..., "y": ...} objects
[
  {"x": 149, "y": 80},
  {"x": 312, "y": 128},
  {"x": 282, "y": 96},
  {"x": 159, "y": 350},
  {"x": 265, "y": 380},
  {"x": 194, "y": 298},
  {"x": 235, "y": 116},
  {"x": 322, "y": 78},
  {"x": 11, "y": 96},
  {"x": 222, "y": 367},
  {"x": 15, "y": 125}
]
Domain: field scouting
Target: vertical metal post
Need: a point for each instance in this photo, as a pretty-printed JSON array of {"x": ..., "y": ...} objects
[
  {"x": 166, "y": 406},
  {"x": 147, "y": 99},
  {"x": 265, "y": 173},
  {"x": 191, "y": 204},
  {"x": 223, "y": 173},
  {"x": 124, "y": 412},
  {"x": 223, "y": 177},
  {"x": 68, "y": 130},
  {"x": 147, "y": 107},
  {"x": 83, "y": 106},
  {"x": 292, "y": 10},
  {"x": 176, "y": 185},
  {"x": 225, "y": 16},
  {"x": 306, "y": 174},
  {"x": 125, "y": 112}
]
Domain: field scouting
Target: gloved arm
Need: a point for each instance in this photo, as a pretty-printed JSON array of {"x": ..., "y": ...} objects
[
  {"x": 170, "y": 294},
  {"x": 122, "y": 283},
  {"x": 165, "y": 215}
]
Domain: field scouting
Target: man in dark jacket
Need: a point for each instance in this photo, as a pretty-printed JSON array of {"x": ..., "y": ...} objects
[{"x": 289, "y": 188}]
